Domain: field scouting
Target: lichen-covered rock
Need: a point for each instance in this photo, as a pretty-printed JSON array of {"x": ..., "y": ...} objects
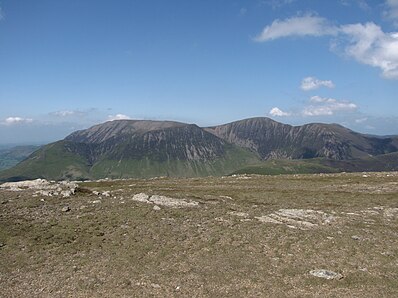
[
  {"x": 326, "y": 274},
  {"x": 141, "y": 197},
  {"x": 43, "y": 187},
  {"x": 298, "y": 218},
  {"x": 164, "y": 201}
]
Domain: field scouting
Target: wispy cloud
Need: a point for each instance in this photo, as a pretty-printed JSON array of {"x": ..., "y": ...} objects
[
  {"x": 276, "y": 112},
  {"x": 242, "y": 11},
  {"x": 366, "y": 43},
  {"x": 312, "y": 83},
  {"x": 361, "y": 120},
  {"x": 16, "y": 120},
  {"x": 65, "y": 113},
  {"x": 319, "y": 99},
  {"x": 308, "y": 25},
  {"x": 1, "y": 14},
  {"x": 118, "y": 117},
  {"x": 321, "y": 106},
  {"x": 278, "y": 3},
  {"x": 392, "y": 10},
  {"x": 362, "y": 4}
]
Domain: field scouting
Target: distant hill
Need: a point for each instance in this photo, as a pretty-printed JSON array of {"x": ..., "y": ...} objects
[
  {"x": 9, "y": 157},
  {"x": 128, "y": 148},
  {"x": 142, "y": 149},
  {"x": 274, "y": 140}
]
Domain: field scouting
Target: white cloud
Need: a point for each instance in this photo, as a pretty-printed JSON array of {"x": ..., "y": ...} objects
[
  {"x": 16, "y": 120},
  {"x": 366, "y": 43},
  {"x": 1, "y": 14},
  {"x": 308, "y": 25},
  {"x": 311, "y": 83},
  {"x": 321, "y": 106},
  {"x": 118, "y": 117},
  {"x": 276, "y": 112}
]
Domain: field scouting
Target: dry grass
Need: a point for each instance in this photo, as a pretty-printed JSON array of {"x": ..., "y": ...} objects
[{"x": 117, "y": 247}]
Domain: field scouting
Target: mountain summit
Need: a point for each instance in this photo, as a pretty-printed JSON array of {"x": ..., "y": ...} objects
[
  {"x": 274, "y": 140},
  {"x": 142, "y": 148}
]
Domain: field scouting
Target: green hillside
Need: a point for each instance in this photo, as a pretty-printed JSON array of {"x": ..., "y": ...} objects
[
  {"x": 287, "y": 166},
  {"x": 10, "y": 157},
  {"x": 145, "y": 149},
  {"x": 385, "y": 162},
  {"x": 57, "y": 161},
  {"x": 53, "y": 161}
]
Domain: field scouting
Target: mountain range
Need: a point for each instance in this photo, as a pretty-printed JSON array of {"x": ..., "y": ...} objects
[{"x": 143, "y": 149}]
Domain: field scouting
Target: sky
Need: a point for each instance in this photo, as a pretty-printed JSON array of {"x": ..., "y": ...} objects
[{"x": 70, "y": 64}]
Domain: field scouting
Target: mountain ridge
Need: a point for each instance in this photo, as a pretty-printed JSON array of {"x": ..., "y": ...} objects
[
  {"x": 272, "y": 139},
  {"x": 147, "y": 148}
]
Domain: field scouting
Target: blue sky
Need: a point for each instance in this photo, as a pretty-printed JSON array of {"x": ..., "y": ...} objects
[{"x": 70, "y": 64}]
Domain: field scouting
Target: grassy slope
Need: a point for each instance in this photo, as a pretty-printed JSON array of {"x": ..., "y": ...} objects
[
  {"x": 12, "y": 156},
  {"x": 234, "y": 159},
  {"x": 385, "y": 162},
  {"x": 56, "y": 162},
  {"x": 284, "y": 166},
  {"x": 51, "y": 162}
]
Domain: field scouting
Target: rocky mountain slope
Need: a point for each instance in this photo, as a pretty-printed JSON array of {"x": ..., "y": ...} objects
[
  {"x": 271, "y": 139},
  {"x": 128, "y": 148},
  {"x": 141, "y": 148}
]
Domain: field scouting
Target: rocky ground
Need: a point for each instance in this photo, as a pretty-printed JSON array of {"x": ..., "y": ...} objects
[{"x": 330, "y": 235}]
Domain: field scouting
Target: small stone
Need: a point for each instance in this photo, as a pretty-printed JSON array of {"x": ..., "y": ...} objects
[
  {"x": 106, "y": 193},
  {"x": 156, "y": 208},
  {"x": 156, "y": 286},
  {"x": 355, "y": 237},
  {"x": 2, "y": 244},
  {"x": 66, "y": 193},
  {"x": 141, "y": 197},
  {"x": 65, "y": 209},
  {"x": 327, "y": 274}
]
